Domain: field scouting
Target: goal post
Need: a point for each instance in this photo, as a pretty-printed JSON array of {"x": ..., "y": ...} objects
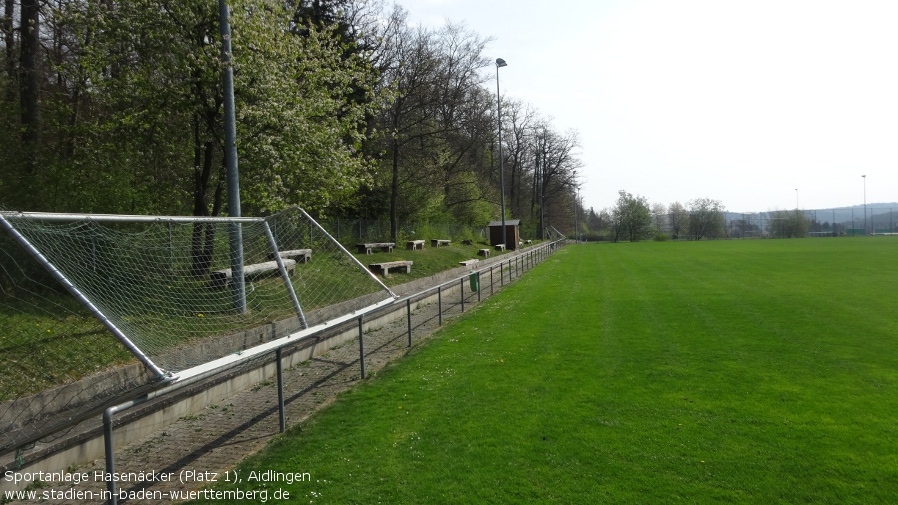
[{"x": 163, "y": 287}]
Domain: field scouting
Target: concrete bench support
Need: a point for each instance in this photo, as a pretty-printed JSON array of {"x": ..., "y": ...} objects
[{"x": 385, "y": 267}]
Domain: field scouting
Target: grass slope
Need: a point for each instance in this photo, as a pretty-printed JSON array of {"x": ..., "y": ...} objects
[
  {"x": 711, "y": 372},
  {"x": 51, "y": 339}
]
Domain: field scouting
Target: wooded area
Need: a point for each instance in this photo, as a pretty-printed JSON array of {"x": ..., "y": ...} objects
[{"x": 342, "y": 108}]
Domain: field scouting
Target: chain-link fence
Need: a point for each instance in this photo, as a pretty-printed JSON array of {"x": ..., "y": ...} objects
[
  {"x": 850, "y": 221},
  {"x": 350, "y": 231}
]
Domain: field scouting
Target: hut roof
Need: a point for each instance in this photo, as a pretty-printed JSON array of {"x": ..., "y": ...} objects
[{"x": 508, "y": 222}]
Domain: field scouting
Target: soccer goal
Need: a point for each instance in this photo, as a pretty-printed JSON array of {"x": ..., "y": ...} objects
[{"x": 186, "y": 296}]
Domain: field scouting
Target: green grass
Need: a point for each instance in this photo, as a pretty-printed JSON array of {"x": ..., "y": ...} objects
[
  {"x": 427, "y": 262},
  {"x": 710, "y": 372},
  {"x": 52, "y": 345}
]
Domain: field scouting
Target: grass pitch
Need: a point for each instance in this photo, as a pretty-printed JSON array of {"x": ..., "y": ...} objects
[{"x": 708, "y": 372}]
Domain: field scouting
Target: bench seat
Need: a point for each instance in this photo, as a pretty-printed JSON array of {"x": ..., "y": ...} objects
[
  {"x": 300, "y": 255},
  {"x": 386, "y": 266},
  {"x": 369, "y": 247},
  {"x": 221, "y": 278}
]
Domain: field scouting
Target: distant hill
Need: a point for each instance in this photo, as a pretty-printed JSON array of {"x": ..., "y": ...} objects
[{"x": 883, "y": 215}]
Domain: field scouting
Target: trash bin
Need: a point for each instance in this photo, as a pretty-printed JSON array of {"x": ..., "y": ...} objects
[{"x": 475, "y": 281}]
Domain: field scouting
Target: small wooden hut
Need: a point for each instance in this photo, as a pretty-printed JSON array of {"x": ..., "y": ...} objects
[{"x": 512, "y": 233}]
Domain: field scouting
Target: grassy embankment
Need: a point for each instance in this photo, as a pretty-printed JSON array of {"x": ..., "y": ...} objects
[{"x": 730, "y": 371}]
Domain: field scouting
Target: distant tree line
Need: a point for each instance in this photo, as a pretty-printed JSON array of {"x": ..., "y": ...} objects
[
  {"x": 633, "y": 218},
  {"x": 343, "y": 108}
]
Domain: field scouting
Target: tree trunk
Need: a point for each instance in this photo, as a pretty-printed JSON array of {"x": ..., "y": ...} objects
[
  {"x": 29, "y": 93},
  {"x": 29, "y": 76},
  {"x": 394, "y": 195},
  {"x": 9, "y": 41},
  {"x": 203, "y": 236}
]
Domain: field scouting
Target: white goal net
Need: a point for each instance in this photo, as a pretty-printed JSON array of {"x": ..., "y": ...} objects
[{"x": 89, "y": 289}]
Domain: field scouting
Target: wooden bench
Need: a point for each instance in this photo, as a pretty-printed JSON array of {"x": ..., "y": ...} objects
[
  {"x": 500, "y": 247},
  {"x": 469, "y": 263},
  {"x": 299, "y": 255},
  {"x": 467, "y": 242},
  {"x": 221, "y": 278},
  {"x": 484, "y": 252},
  {"x": 369, "y": 247},
  {"x": 434, "y": 242},
  {"x": 386, "y": 266},
  {"x": 411, "y": 245}
]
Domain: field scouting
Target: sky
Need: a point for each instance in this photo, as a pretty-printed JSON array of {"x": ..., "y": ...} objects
[{"x": 761, "y": 104}]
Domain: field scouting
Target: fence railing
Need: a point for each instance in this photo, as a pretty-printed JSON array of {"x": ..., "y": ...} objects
[
  {"x": 452, "y": 297},
  {"x": 93, "y": 245}
]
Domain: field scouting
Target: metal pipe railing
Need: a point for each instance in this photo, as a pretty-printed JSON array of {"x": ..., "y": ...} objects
[{"x": 109, "y": 414}]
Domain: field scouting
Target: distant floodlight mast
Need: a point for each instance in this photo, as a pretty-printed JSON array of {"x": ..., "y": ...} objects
[
  {"x": 499, "y": 64},
  {"x": 865, "y": 203}
]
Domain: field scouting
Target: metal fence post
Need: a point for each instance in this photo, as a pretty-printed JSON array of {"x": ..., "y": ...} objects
[
  {"x": 282, "y": 414},
  {"x": 440, "y": 304},
  {"x": 408, "y": 308},
  {"x": 461, "y": 285},
  {"x": 361, "y": 348},
  {"x": 110, "y": 453}
]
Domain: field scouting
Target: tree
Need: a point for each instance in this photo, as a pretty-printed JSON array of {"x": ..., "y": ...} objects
[
  {"x": 408, "y": 72},
  {"x": 597, "y": 223},
  {"x": 556, "y": 166},
  {"x": 134, "y": 120},
  {"x": 659, "y": 214},
  {"x": 678, "y": 219},
  {"x": 631, "y": 217},
  {"x": 706, "y": 219},
  {"x": 519, "y": 121},
  {"x": 436, "y": 122},
  {"x": 301, "y": 112}
]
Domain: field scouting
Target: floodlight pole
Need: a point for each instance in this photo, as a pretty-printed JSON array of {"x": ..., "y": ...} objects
[
  {"x": 230, "y": 156},
  {"x": 499, "y": 64}
]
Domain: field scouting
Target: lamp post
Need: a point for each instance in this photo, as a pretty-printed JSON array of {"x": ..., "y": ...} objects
[
  {"x": 230, "y": 155},
  {"x": 499, "y": 64},
  {"x": 865, "y": 203},
  {"x": 796, "y": 198}
]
